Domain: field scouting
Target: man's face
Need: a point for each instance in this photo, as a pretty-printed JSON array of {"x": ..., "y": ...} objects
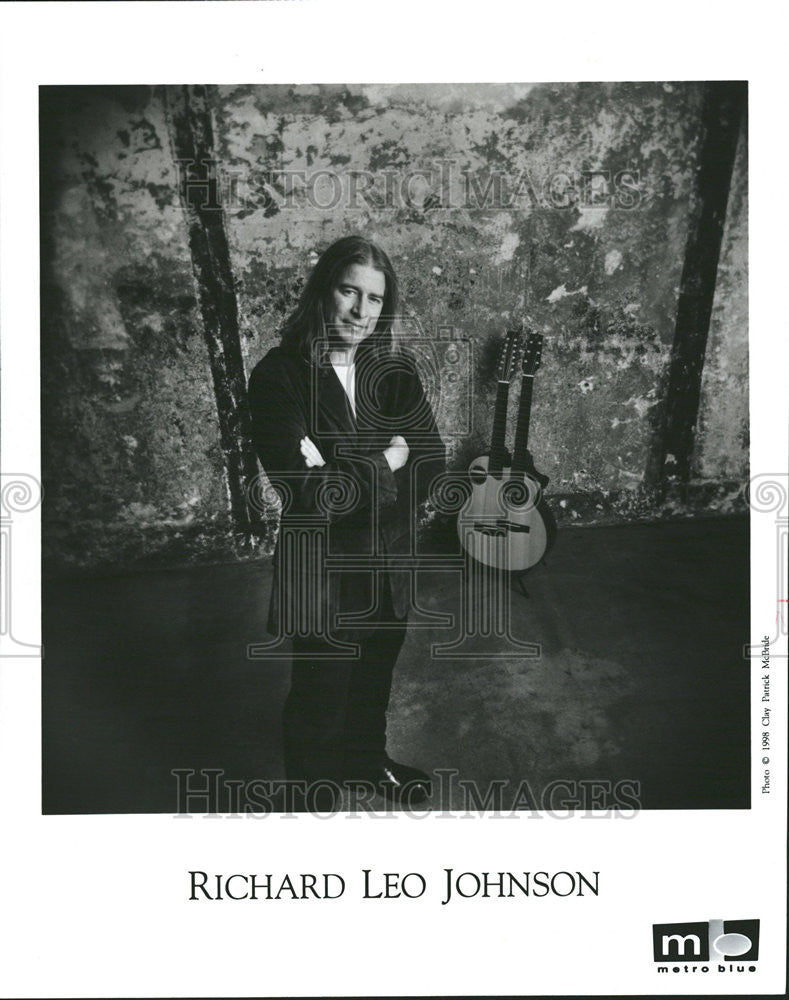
[{"x": 355, "y": 303}]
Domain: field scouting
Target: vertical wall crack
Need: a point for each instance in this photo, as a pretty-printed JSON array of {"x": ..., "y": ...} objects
[{"x": 192, "y": 142}]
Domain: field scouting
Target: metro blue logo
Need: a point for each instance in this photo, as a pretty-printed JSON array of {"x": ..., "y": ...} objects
[{"x": 707, "y": 940}]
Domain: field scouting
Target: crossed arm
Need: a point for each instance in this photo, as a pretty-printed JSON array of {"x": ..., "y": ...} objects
[
  {"x": 287, "y": 453},
  {"x": 396, "y": 454},
  {"x": 294, "y": 463}
]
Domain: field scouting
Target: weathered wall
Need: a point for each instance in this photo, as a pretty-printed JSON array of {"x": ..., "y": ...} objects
[
  {"x": 131, "y": 457},
  {"x": 133, "y": 466},
  {"x": 722, "y": 430}
]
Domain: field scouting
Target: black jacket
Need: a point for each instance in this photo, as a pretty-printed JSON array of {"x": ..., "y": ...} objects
[{"x": 353, "y": 514}]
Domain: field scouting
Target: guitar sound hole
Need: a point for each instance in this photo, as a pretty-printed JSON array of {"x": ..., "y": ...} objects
[{"x": 478, "y": 475}]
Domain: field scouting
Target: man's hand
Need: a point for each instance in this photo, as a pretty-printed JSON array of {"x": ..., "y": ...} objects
[
  {"x": 397, "y": 453},
  {"x": 312, "y": 456}
]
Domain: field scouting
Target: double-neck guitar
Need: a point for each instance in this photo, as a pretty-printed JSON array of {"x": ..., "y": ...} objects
[{"x": 506, "y": 523}]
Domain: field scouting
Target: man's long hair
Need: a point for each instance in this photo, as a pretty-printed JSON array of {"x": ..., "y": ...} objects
[{"x": 307, "y": 323}]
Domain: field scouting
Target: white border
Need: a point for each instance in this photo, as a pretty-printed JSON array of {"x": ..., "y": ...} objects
[{"x": 96, "y": 906}]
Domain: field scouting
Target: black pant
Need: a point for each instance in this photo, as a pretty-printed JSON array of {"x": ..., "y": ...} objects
[{"x": 334, "y": 722}]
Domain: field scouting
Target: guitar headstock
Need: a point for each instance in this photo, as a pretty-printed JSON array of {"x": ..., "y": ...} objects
[
  {"x": 510, "y": 356},
  {"x": 532, "y": 353}
]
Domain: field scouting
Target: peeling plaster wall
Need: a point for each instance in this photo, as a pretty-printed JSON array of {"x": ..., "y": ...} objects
[
  {"x": 131, "y": 457},
  {"x": 722, "y": 429},
  {"x": 489, "y": 232}
]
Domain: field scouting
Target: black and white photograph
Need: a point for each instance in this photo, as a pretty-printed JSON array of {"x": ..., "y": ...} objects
[
  {"x": 443, "y": 386},
  {"x": 402, "y": 522}
]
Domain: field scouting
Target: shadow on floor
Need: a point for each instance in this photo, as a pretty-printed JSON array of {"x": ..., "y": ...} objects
[{"x": 640, "y": 677}]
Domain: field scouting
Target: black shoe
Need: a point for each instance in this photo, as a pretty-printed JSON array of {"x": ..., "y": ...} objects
[
  {"x": 322, "y": 796},
  {"x": 313, "y": 778},
  {"x": 298, "y": 796},
  {"x": 399, "y": 782}
]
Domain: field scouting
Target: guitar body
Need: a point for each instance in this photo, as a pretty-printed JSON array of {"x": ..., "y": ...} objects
[{"x": 505, "y": 523}]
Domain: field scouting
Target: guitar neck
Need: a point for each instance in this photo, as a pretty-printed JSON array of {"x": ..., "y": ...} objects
[
  {"x": 497, "y": 445},
  {"x": 520, "y": 459}
]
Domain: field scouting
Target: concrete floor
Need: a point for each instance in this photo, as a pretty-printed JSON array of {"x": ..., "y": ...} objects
[{"x": 640, "y": 677}]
